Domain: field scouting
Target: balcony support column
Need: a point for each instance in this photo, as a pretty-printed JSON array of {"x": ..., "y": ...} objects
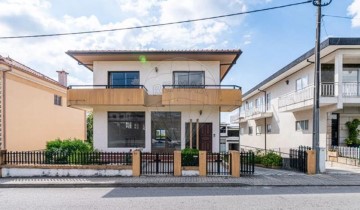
[{"x": 338, "y": 78}]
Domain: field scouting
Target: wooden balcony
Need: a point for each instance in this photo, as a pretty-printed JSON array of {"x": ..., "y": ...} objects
[
  {"x": 228, "y": 97},
  {"x": 104, "y": 95}
]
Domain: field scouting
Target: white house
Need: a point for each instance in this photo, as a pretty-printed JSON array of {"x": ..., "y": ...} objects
[
  {"x": 229, "y": 137},
  {"x": 156, "y": 100},
  {"x": 277, "y": 113}
]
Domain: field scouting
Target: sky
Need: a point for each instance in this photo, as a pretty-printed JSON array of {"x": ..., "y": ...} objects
[{"x": 269, "y": 40}]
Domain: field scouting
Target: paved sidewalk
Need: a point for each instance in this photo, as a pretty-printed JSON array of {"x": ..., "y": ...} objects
[{"x": 169, "y": 181}]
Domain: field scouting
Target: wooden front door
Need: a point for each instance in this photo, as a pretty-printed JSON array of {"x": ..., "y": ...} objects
[{"x": 205, "y": 136}]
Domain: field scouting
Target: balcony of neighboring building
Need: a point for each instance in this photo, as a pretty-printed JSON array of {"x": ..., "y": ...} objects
[
  {"x": 88, "y": 96},
  {"x": 227, "y": 97},
  {"x": 258, "y": 112}
]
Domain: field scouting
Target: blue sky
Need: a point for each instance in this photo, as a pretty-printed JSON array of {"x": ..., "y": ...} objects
[{"x": 269, "y": 40}]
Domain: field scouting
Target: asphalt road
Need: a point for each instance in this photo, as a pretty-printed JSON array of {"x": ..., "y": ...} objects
[{"x": 182, "y": 198}]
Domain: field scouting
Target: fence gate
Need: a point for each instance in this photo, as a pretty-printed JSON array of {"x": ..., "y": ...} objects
[
  {"x": 298, "y": 158},
  {"x": 157, "y": 163},
  {"x": 247, "y": 163},
  {"x": 218, "y": 164}
]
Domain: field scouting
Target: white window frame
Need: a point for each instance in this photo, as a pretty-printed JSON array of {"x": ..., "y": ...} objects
[
  {"x": 258, "y": 129},
  {"x": 304, "y": 82},
  {"x": 268, "y": 128},
  {"x": 302, "y": 125}
]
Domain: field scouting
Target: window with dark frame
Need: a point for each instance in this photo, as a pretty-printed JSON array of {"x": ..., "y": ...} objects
[
  {"x": 250, "y": 130},
  {"x": 188, "y": 78},
  {"x": 124, "y": 79},
  {"x": 57, "y": 100}
]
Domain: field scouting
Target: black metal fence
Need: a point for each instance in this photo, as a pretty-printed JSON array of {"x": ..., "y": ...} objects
[
  {"x": 65, "y": 158},
  {"x": 218, "y": 164},
  {"x": 157, "y": 163},
  {"x": 247, "y": 163},
  {"x": 298, "y": 158}
]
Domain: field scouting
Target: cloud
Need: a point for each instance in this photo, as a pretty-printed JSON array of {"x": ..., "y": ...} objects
[
  {"x": 354, "y": 10},
  {"x": 48, "y": 54}
]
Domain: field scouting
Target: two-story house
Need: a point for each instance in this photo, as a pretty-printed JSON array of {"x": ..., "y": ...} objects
[
  {"x": 277, "y": 113},
  {"x": 158, "y": 100},
  {"x": 33, "y": 108},
  {"x": 229, "y": 137}
]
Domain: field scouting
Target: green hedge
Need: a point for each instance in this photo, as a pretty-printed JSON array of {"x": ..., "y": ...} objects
[{"x": 190, "y": 157}]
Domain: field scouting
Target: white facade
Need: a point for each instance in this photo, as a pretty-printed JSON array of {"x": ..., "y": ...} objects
[
  {"x": 288, "y": 113},
  {"x": 153, "y": 79}
]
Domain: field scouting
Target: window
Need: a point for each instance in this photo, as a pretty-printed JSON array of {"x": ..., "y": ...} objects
[
  {"x": 187, "y": 135},
  {"x": 57, "y": 100},
  {"x": 233, "y": 133},
  {"x": 250, "y": 130},
  {"x": 258, "y": 130},
  {"x": 124, "y": 79},
  {"x": 268, "y": 128},
  {"x": 125, "y": 129},
  {"x": 190, "y": 78},
  {"x": 301, "y": 83},
  {"x": 223, "y": 129},
  {"x": 257, "y": 103},
  {"x": 165, "y": 130},
  {"x": 268, "y": 101},
  {"x": 302, "y": 125}
]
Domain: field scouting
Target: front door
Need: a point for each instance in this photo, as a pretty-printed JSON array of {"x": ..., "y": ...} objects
[
  {"x": 335, "y": 129},
  {"x": 205, "y": 136}
]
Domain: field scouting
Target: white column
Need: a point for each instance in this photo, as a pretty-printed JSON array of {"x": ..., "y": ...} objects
[{"x": 338, "y": 78}]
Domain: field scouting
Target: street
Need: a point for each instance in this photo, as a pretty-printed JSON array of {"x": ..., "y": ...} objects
[{"x": 181, "y": 198}]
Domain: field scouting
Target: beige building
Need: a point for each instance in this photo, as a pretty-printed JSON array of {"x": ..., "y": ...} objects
[
  {"x": 157, "y": 101},
  {"x": 33, "y": 108},
  {"x": 277, "y": 113}
]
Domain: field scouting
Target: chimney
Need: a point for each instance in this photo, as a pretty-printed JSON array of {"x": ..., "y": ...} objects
[{"x": 62, "y": 77}]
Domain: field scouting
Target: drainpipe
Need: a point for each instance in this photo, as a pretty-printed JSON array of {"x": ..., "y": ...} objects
[{"x": 265, "y": 104}]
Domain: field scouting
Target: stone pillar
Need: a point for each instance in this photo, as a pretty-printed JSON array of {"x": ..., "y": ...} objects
[
  {"x": 202, "y": 163},
  {"x": 177, "y": 163},
  {"x": 235, "y": 163},
  {"x": 311, "y": 162},
  {"x": 136, "y": 163}
]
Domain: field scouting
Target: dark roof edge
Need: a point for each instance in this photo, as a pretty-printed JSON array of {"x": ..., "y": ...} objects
[
  {"x": 323, "y": 45},
  {"x": 232, "y": 64},
  {"x": 91, "y": 52}
]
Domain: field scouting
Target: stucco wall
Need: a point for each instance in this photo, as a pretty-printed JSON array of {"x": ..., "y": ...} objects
[
  {"x": 32, "y": 119},
  {"x": 38, "y": 172}
]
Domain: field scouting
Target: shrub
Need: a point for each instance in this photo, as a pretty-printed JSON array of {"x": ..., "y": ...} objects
[
  {"x": 189, "y": 157},
  {"x": 271, "y": 159},
  {"x": 65, "y": 151},
  {"x": 353, "y": 131}
]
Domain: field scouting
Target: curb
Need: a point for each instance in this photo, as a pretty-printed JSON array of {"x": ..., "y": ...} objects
[{"x": 149, "y": 185}]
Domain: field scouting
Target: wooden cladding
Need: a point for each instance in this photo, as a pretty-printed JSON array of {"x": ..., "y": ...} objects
[
  {"x": 116, "y": 96},
  {"x": 227, "y": 99}
]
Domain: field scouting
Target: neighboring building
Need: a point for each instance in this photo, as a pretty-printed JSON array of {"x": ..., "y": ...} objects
[
  {"x": 277, "y": 113},
  {"x": 33, "y": 108},
  {"x": 159, "y": 101},
  {"x": 229, "y": 137}
]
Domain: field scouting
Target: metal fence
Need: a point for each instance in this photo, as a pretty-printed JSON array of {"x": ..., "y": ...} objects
[
  {"x": 349, "y": 152},
  {"x": 66, "y": 158},
  {"x": 298, "y": 158},
  {"x": 218, "y": 164},
  {"x": 247, "y": 162},
  {"x": 157, "y": 163}
]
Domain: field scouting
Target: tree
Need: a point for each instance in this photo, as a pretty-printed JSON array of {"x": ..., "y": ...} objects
[{"x": 89, "y": 126}]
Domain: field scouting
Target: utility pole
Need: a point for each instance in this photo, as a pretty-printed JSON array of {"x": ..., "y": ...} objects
[{"x": 316, "y": 105}]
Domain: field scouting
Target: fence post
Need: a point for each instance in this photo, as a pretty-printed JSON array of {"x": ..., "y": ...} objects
[
  {"x": 136, "y": 163},
  {"x": 2, "y": 160},
  {"x": 311, "y": 162},
  {"x": 177, "y": 163},
  {"x": 202, "y": 163},
  {"x": 235, "y": 163}
]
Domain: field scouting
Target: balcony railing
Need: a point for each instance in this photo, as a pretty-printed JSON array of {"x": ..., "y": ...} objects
[
  {"x": 297, "y": 96},
  {"x": 351, "y": 89},
  {"x": 228, "y": 97},
  {"x": 92, "y": 95}
]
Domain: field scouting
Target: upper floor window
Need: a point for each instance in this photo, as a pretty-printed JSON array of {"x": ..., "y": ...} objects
[
  {"x": 123, "y": 79},
  {"x": 268, "y": 101},
  {"x": 57, "y": 100},
  {"x": 189, "y": 78},
  {"x": 233, "y": 133},
  {"x": 301, "y": 83}
]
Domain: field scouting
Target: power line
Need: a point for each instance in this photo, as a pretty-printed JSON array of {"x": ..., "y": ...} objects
[
  {"x": 342, "y": 17},
  {"x": 324, "y": 26},
  {"x": 155, "y": 25}
]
